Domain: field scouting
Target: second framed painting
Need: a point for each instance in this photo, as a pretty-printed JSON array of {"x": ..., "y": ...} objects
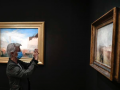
[
  {"x": 29, "y": 34},
  {"x": 103, "y": 33}
]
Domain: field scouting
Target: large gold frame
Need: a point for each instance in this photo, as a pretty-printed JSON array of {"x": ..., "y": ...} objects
[
  {"x": 39, "y": 25},
  {"x": 107, "y": 18}
]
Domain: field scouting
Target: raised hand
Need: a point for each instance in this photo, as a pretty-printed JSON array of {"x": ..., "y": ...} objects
[{"x": 36, "y": 54}]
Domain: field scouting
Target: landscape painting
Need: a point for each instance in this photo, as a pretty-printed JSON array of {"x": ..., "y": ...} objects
[
  {"x": 27, "y": 37},
  {"x": 104, "y": 44}
]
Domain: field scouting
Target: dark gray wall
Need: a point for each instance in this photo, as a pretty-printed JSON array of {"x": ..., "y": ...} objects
[
  {"x": 94, "y": 80},
  {"x": 66, "y": 42}
]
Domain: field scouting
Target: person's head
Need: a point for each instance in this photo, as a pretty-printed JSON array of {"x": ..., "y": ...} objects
[{"x": 13, "y": 49}]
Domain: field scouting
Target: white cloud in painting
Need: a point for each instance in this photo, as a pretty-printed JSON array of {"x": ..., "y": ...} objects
[
  {"x": 14, "y": 37},
  {"x": 104, "y": 35},
  {"x": 32, "y": 44}
]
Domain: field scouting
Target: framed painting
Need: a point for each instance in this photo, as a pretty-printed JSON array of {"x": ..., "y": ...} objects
[
  {"x": 103, "y": 39},
  {"x": 29, "y": 34}
]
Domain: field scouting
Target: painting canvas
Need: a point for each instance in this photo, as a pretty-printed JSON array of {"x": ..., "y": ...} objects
[
  {"x": 27, "y": 37},
  {"x": 104, "y": 44}
]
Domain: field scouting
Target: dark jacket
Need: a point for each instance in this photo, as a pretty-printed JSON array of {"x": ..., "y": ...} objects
[{"x": 18, "y": 75}]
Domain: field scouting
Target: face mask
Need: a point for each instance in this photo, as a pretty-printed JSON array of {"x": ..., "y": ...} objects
[{"x": 19, "y": 55}]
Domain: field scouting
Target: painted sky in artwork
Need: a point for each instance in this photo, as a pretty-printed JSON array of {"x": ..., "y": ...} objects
[
  {"x": 104, "y": 37},
  {"x": 17, "y": 35}
]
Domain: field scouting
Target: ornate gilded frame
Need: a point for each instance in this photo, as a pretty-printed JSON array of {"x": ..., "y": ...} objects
[
  {"x": 107, "y": 18},
  {"x": 39, "y": 25}
]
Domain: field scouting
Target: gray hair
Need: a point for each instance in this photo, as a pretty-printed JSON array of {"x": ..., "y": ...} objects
[{"x": 11, "y": 48}]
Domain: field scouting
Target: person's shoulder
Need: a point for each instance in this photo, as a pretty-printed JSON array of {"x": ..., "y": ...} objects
[
  {"x": 10, "y": 62},
  {"x": 11, "y": 66}
]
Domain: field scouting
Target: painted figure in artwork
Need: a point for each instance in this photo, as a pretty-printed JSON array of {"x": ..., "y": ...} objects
[{"x": 101, "y": 55}]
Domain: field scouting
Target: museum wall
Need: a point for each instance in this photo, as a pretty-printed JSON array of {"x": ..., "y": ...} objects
[
  {"x": 94, "y": 80},
  {"x": 67, "y": 39}
]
